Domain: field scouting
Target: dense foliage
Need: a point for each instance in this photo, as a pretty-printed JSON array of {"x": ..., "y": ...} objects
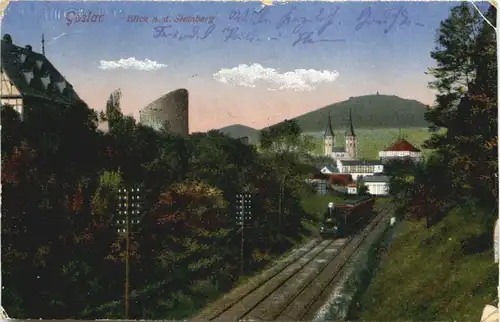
[
  {"x": 463, "y": 167},
  {"x": 61, "y": 254},
  {"x": 445, "y": 264}
]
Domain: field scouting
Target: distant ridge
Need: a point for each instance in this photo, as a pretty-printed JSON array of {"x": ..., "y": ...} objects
[
  {"x": 238, "y": 131},
  {"x": 370, "y": 111}
]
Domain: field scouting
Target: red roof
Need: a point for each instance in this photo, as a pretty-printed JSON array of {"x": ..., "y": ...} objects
[
  {"x": 402, "y": 145},
  {"x": 319, "y": 176},
  {"x": 342, "y": 179}
]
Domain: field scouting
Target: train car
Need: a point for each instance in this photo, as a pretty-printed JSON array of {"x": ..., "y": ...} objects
[{"x": 345, "y": 219}]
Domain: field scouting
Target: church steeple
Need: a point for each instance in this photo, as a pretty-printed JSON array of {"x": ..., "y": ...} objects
[
  {"x": 329, "y": 139},
  {"x": 350, "y": 139},
  {"x": 329, "y": 128},
  {"x": 350, "y": 126}
]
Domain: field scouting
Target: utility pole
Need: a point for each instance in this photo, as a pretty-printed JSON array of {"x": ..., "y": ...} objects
[
  {"x": 129, "y": 209},
  {"x": 243, "y": 217}
]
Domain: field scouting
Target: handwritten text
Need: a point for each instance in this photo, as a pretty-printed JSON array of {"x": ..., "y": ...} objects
[
  {"x": 322, "y": 21},
  {"x": 390, "y": 18},
  {"x": 250, "y": 16},
  {"x": 322, "y": 26},
  {"x": 195, "y": 33}
]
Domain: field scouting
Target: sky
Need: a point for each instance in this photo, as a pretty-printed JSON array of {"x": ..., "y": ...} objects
[{"x": 242, "y": 62}]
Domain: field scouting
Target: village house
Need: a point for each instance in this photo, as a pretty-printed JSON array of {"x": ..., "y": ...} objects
[
  {"x": 352, "y": 189},
  {"x": 360, "y": 168},
  {"x": 340, "y": 181},
  {"x": 328, "y": 169},
  {"x": 343, "y": 175},
  {"x": 378, "y": 185},
  {"x": 401, "y": 149}
]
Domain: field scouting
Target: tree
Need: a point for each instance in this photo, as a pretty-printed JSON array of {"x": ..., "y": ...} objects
[
  {"x": 463, "y": 164},
  {"x": 282, "y": 137},
  {"x": 466, "y": 102},
  {"x": 362, "y": 188},
  {"x": 59, "y": 199}
]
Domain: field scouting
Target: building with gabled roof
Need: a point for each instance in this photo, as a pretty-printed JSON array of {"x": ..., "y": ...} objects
[
  {"x": 360, "y": 168},
  {"x": 342, "y": 179},
  {"x": 400, "y": 149},
  {"x": 28, "y": 74},
  {"x": 378, "y": 185},
  {"x": 327, "y": 168}
]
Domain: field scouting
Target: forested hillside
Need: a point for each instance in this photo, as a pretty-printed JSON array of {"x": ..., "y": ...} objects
[
  {"x": 62, "y": 255},
  {"x": 370, "y": 111}
]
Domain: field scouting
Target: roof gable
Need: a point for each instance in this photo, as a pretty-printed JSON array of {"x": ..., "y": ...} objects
[
  {"x": 330, "y": 167},
  {"x": 33, "y": 74},
  {"x": 340, "y": 178},
  {"x": 361, "y": 162},
  {"x": 376, "y": 178},
  {"x": 402, "y": 145}
]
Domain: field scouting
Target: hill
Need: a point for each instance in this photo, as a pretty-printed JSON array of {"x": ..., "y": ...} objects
[
  {"x": 370, "y": 111},
  {"x": 237, "y": 131}
]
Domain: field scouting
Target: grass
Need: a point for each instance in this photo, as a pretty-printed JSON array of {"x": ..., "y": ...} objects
[
  {"x": 434, "y": 274},
  {"x": 371, "y": 141}
]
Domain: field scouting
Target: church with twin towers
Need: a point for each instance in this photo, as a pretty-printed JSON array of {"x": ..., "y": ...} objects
[{"x": 348, "y": 151}]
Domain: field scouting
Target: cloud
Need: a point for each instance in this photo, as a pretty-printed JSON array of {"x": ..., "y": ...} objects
[
  {"x": 298, "y": 79},
  {"x": 131, "y": 63}
]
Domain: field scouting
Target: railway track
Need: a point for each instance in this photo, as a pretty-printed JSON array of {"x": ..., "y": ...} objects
[{"x": 289, "y": 290}]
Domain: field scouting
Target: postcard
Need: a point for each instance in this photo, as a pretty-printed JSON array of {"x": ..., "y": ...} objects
[{"x": 249, "y": 160}]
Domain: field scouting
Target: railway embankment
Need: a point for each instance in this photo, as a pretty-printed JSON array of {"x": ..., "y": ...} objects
[
  {"x": 445, "y": 272},
  {"x": 345, "y": 291}
]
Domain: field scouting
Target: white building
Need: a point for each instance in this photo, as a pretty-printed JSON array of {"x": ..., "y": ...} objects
[
  {"x": 360, "y": 168},
  {"x": 352, "y": 189},
  {"x": 401, "y": 149},
  {"x": 378, "y": 185},
  {"x": 328, "y": 169},
  {"x": 339, "y": 153}
]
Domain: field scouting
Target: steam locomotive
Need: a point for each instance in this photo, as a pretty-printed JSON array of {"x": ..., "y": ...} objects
[{"x": 344, "y": 219}]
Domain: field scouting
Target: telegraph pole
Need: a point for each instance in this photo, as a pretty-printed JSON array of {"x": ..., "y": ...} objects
[
  {"x": 129, "y": 205},
  {"x": 243, "y": 217}
]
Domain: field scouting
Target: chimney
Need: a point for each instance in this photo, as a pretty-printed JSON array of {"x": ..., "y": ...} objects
[{"x": 43, "y": 45}]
